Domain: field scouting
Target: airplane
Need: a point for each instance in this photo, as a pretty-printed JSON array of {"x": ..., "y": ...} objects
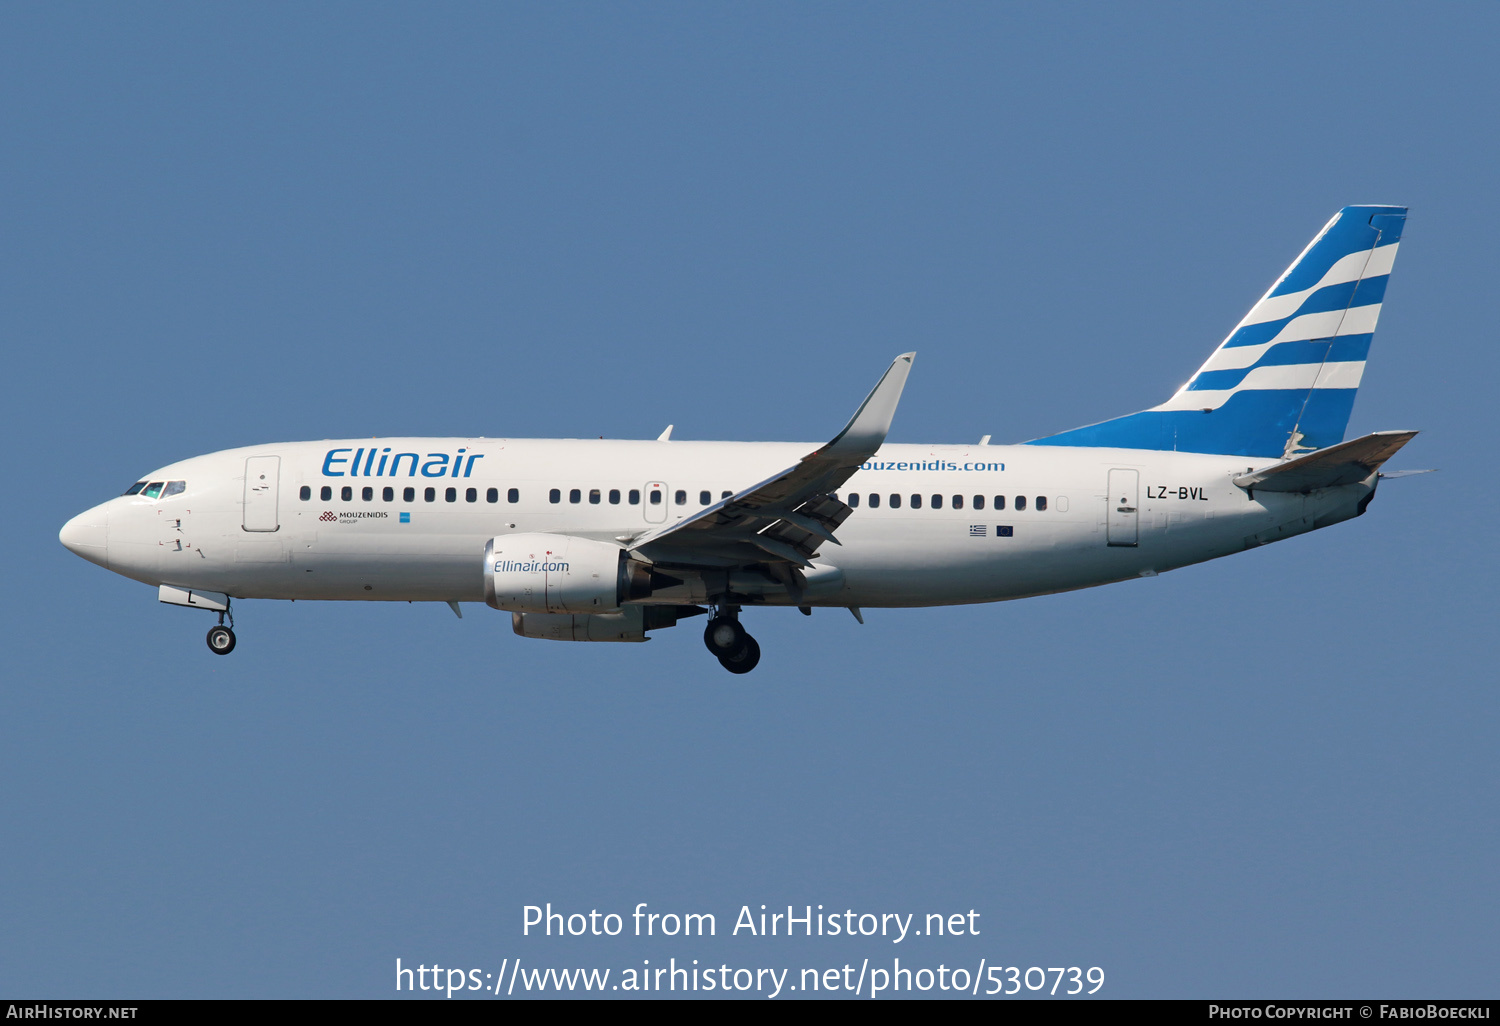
[{"x": 608, "y": 540}]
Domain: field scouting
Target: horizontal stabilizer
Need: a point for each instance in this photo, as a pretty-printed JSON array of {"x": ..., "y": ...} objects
[{"x": 1343, "y": 464}]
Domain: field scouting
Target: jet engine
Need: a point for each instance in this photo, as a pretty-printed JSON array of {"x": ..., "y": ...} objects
[
  {"x": 554, "y": 573},
  {"x": 630, "y": 624}
]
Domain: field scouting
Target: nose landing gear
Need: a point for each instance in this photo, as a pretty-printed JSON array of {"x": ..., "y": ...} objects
[
  {"x": 221, "y": 638},
  {"x": 730, "y": 643}
]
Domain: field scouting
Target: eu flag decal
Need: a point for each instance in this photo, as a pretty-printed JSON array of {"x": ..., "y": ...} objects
[{"x": 1004, "y": 531}]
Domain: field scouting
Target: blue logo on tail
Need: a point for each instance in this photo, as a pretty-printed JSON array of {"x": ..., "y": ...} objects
[{"x": 1284, "y": 381}]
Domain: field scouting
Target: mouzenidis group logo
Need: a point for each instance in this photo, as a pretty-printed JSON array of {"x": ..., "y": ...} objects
[{"x": 329, "y": 516}]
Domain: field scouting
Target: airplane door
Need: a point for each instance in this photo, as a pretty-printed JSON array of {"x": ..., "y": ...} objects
[
  {"x": 1124, "y": 493},
  {"x": 262, "y": 477},
  {"x": 654, "y": 502}
]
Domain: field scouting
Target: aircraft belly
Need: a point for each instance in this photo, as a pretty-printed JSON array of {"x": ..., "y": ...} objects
[
  {"x": 919, "y": 563},
  {"x": 349, "y": 562}
]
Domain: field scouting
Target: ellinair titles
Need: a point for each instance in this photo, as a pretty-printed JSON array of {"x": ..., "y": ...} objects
[
  {"x": 595, "y": 540},
  {"x": 338, "y": 463}
]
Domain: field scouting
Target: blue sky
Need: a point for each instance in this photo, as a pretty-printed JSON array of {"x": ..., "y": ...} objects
[{"x": 1271, "y": 775}]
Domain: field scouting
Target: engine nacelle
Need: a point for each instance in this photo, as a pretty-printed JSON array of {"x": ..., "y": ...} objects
[
  {"x": 554, "y": 573},
  {"x": 626, "y": 625},
  {"x": 630, "y": 624}
]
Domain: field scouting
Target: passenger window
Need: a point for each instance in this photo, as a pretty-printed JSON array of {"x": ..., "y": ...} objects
[
  {"x": 999, "y": 502},
  {"x": 979, "y": 502},
  {"x": 408, "y": 495},
  {"x": 614, "y": 496},
  {"x": 492, "y": 495},
  {"x": 175, "y": 488},
  {"x": 326, "y": 494},
  {"x": 305, "y": 493},
  {"x": 937, "y": 502},
  {"x": 593, "y": 496},
  {"x": 153, "y": 490},
  {"x": 958, "y": 502},
  {"x": 1020, "y": 502},
  {"x": 874, "y": 500},
  {"x": 704, "y": 498},
  {"x": 387, "y": 494},
  {"x": 450, "y": 494},
  {"x": 895, "y": 501},
  {"x": 1041, "y": 503},
  {"x": 725, "y": 494},
  {"x": 681, "y": 497},
  {"x": 854, "y": 500},
  {"x": 471, "y": 494},
  {"x": 575, "y": 495},
  {"x": 656, "y": 496},
  {"x": 135, "y": 489},
  {"x": 346, "y": 493},
  {"x": 555, "y": 495},
  {"x": 635, "y": 496},
  {"x": 429, "y": 495},
  {"x": 514, "y": 495},
  {"x": 367, "y": 493},
  {"x": 916, "y": 502}
]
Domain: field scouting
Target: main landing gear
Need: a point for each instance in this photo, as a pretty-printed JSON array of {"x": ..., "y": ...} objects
[
  {"x": 730, "y": 643},
  {"x": 221, "y": 638}
]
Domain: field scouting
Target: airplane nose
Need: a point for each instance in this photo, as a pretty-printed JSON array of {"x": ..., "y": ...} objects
[{"x": 87, "y": 535}]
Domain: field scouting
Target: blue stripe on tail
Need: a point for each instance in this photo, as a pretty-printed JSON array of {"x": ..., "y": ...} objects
[{"x": 1284, "y": 380}]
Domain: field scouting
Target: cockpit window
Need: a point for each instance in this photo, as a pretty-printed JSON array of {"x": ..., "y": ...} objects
[
  {"x": 133, "y": 489},
  {"x": 153, "y": 490},
  {"x": 175, "y": 488}
]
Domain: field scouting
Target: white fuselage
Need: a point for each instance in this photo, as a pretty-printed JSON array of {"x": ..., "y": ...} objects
[{"x": 264, "y": 539}]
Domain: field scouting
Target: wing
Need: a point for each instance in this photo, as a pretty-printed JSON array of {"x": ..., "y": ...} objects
[{"x": 785, "y": 518}]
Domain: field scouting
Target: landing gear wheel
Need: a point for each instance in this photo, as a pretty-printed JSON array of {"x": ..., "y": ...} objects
[
  {"x": 745, "y": 659},
  {"x": 724, "y": 636},
  {"x": 220, "y": 640}
]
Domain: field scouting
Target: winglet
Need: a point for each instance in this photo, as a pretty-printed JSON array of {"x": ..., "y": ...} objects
[
  {"x": 789, "y": 515},
  {"x": 867, "y": 429}
]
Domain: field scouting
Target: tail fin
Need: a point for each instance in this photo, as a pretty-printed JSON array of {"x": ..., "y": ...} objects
[{"x": 1283, "y": 382}]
